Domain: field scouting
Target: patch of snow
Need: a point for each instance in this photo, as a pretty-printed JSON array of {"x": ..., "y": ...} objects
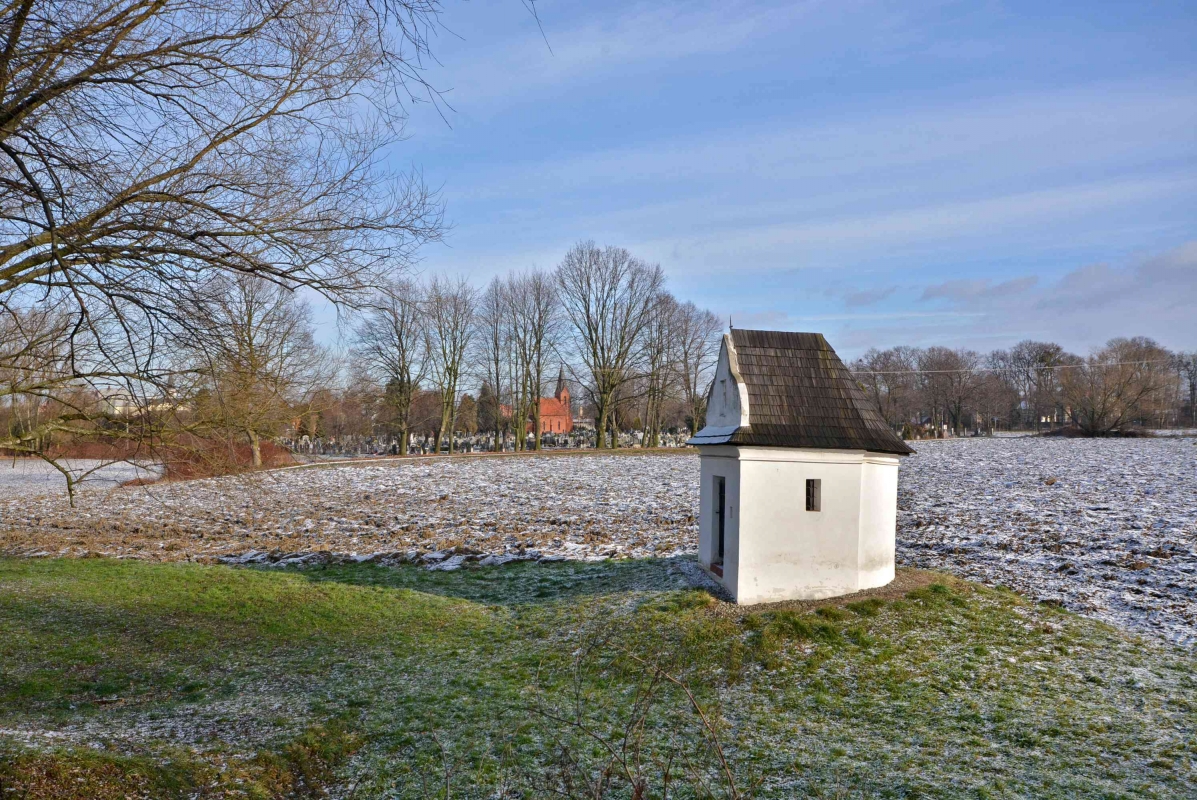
[{"x": 23, "y": 477}]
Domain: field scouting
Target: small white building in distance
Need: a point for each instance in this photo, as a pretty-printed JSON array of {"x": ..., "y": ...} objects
[{"x": 799, "y": 473}]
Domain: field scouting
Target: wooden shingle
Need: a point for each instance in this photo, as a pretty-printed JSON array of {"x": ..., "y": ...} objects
[{"x": 801, "y": 395}]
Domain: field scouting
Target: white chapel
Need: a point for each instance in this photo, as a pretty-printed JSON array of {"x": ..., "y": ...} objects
[{"x": 799, "y": 473}]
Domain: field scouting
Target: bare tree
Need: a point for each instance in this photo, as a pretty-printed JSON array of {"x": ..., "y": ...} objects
[
  {"x": 996, "y": 397},
  {"x": 34, "y": 361},
  {"x": 45, "y": 400},
  {"x": 392, "y": 342},
  {"x": 698, "y": 336},
  {"x": 607, "y": 296},
  {"x": 1186, "y": 366},
  {"x": 1106, "y": 390},
  {"x": 258, "y": 356},
  {"x": 1035, "y": 368},
  {"x": 145, "y": 146},
  {"x": 493, "y": 344},
  {"x": 661, "y": 358},
  {"x": 888, "y": 377},
  {"x": 451, "y": 314},
  {"x": 534, "y": 310},
  {"x": 950, "y": 380}
]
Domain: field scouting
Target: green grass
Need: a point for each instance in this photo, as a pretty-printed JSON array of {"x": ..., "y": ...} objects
[{"x": 178, "y": 680}]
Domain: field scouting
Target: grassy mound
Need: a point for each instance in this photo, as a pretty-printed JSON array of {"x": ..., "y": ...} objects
[{"x": 122, "y": 678}]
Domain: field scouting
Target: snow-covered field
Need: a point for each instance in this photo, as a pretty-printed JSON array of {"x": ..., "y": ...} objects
[
  {"x": 568, "y": 505},
  {"x": 22, "y": 477},
  {"x": 1106, "y": 527}
]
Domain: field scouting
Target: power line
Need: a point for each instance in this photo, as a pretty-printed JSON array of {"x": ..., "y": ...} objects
[{"x": 1003, "y": 369}]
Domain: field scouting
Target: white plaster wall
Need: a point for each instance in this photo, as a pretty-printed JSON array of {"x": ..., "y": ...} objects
[
  {"x": 720, "y": 461},
  {"x": 777, "y": 550},
  {"x": 727, "y": 402},
  {"x": 878, "y": 520}
]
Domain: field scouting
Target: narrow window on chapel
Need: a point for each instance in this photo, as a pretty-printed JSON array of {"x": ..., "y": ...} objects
[{"x": 813, "y": 494}]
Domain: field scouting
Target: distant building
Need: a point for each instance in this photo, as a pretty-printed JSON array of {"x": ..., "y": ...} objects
[
  {"x": 556, "y": 416},
  {"x": 799, "y": 473}
]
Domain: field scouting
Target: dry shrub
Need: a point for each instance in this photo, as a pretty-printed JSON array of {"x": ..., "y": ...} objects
[
  {"x": 185, "y": 457},
  {"x": 1074, "y": 432},
  {"x": 192, "y": 457},
  {"x": 105, "y": 449}
]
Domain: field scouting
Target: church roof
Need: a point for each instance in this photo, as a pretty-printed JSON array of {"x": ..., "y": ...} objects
[
  {"x": 554, "y": 407},
  {"x": 798, "y": 394}
]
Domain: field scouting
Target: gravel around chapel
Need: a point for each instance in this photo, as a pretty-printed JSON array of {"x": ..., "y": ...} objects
[{"x": 1107, "y": 528}]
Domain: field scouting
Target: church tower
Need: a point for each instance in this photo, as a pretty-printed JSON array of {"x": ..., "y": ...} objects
[{"x": 562, "y": 392}]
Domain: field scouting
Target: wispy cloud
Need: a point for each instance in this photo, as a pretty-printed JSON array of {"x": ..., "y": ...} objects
[
  {"x": 868, "y": 297},
  {"x": 1151, "y": 296},
  {"x": 979, "y": 138},
  {"x": 628, "y": 40},
  {"x": 971, "y": 290},
  {"x": 785, "y": 193},
  {"x": 851, "y": 238}
]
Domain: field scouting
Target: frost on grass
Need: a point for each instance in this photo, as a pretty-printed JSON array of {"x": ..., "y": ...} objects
[
  {"x": 1105, "y": 527},
  {"x": 951, "y": 691}
]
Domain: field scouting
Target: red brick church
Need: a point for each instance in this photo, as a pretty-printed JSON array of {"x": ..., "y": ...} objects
[{"x": 556, "y": 415}]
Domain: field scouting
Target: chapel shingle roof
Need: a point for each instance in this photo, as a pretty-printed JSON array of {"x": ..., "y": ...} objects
[{"x": 801, "y": 395}]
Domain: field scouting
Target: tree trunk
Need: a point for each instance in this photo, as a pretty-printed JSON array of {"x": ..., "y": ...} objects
[
  {"x": 600, "y": 428},
  {"x": 536, "y": 423},
  {"x": 445, "y": 427},
  {"x": 255, "y": 444},
  {"x": 1193, "y": 401}
]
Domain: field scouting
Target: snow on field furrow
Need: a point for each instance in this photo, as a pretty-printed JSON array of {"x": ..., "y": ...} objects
[
  {"x": 1106, "y": 527},
  {"x": 504, "y": 504}
]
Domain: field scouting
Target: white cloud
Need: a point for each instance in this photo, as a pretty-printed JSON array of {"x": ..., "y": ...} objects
[
  {"x": 852, "y": 239},
  {"x": 1020, "y": 169},
  {"x": 1153, "y": 296}
]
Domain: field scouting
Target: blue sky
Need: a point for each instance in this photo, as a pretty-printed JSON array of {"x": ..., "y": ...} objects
[{"x": 966, "y": 174}]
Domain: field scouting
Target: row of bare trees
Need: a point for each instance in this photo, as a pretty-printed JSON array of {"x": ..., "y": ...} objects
[
  {"x": 1033, "y": 385},
  {"x": 602, "y": 317}
]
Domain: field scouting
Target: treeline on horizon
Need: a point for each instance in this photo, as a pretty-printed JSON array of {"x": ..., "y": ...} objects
[
  {"x": 1128, "y": 383},
  {"x": 432, "y": 358},
  {"x": 920, "y": 392}
]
